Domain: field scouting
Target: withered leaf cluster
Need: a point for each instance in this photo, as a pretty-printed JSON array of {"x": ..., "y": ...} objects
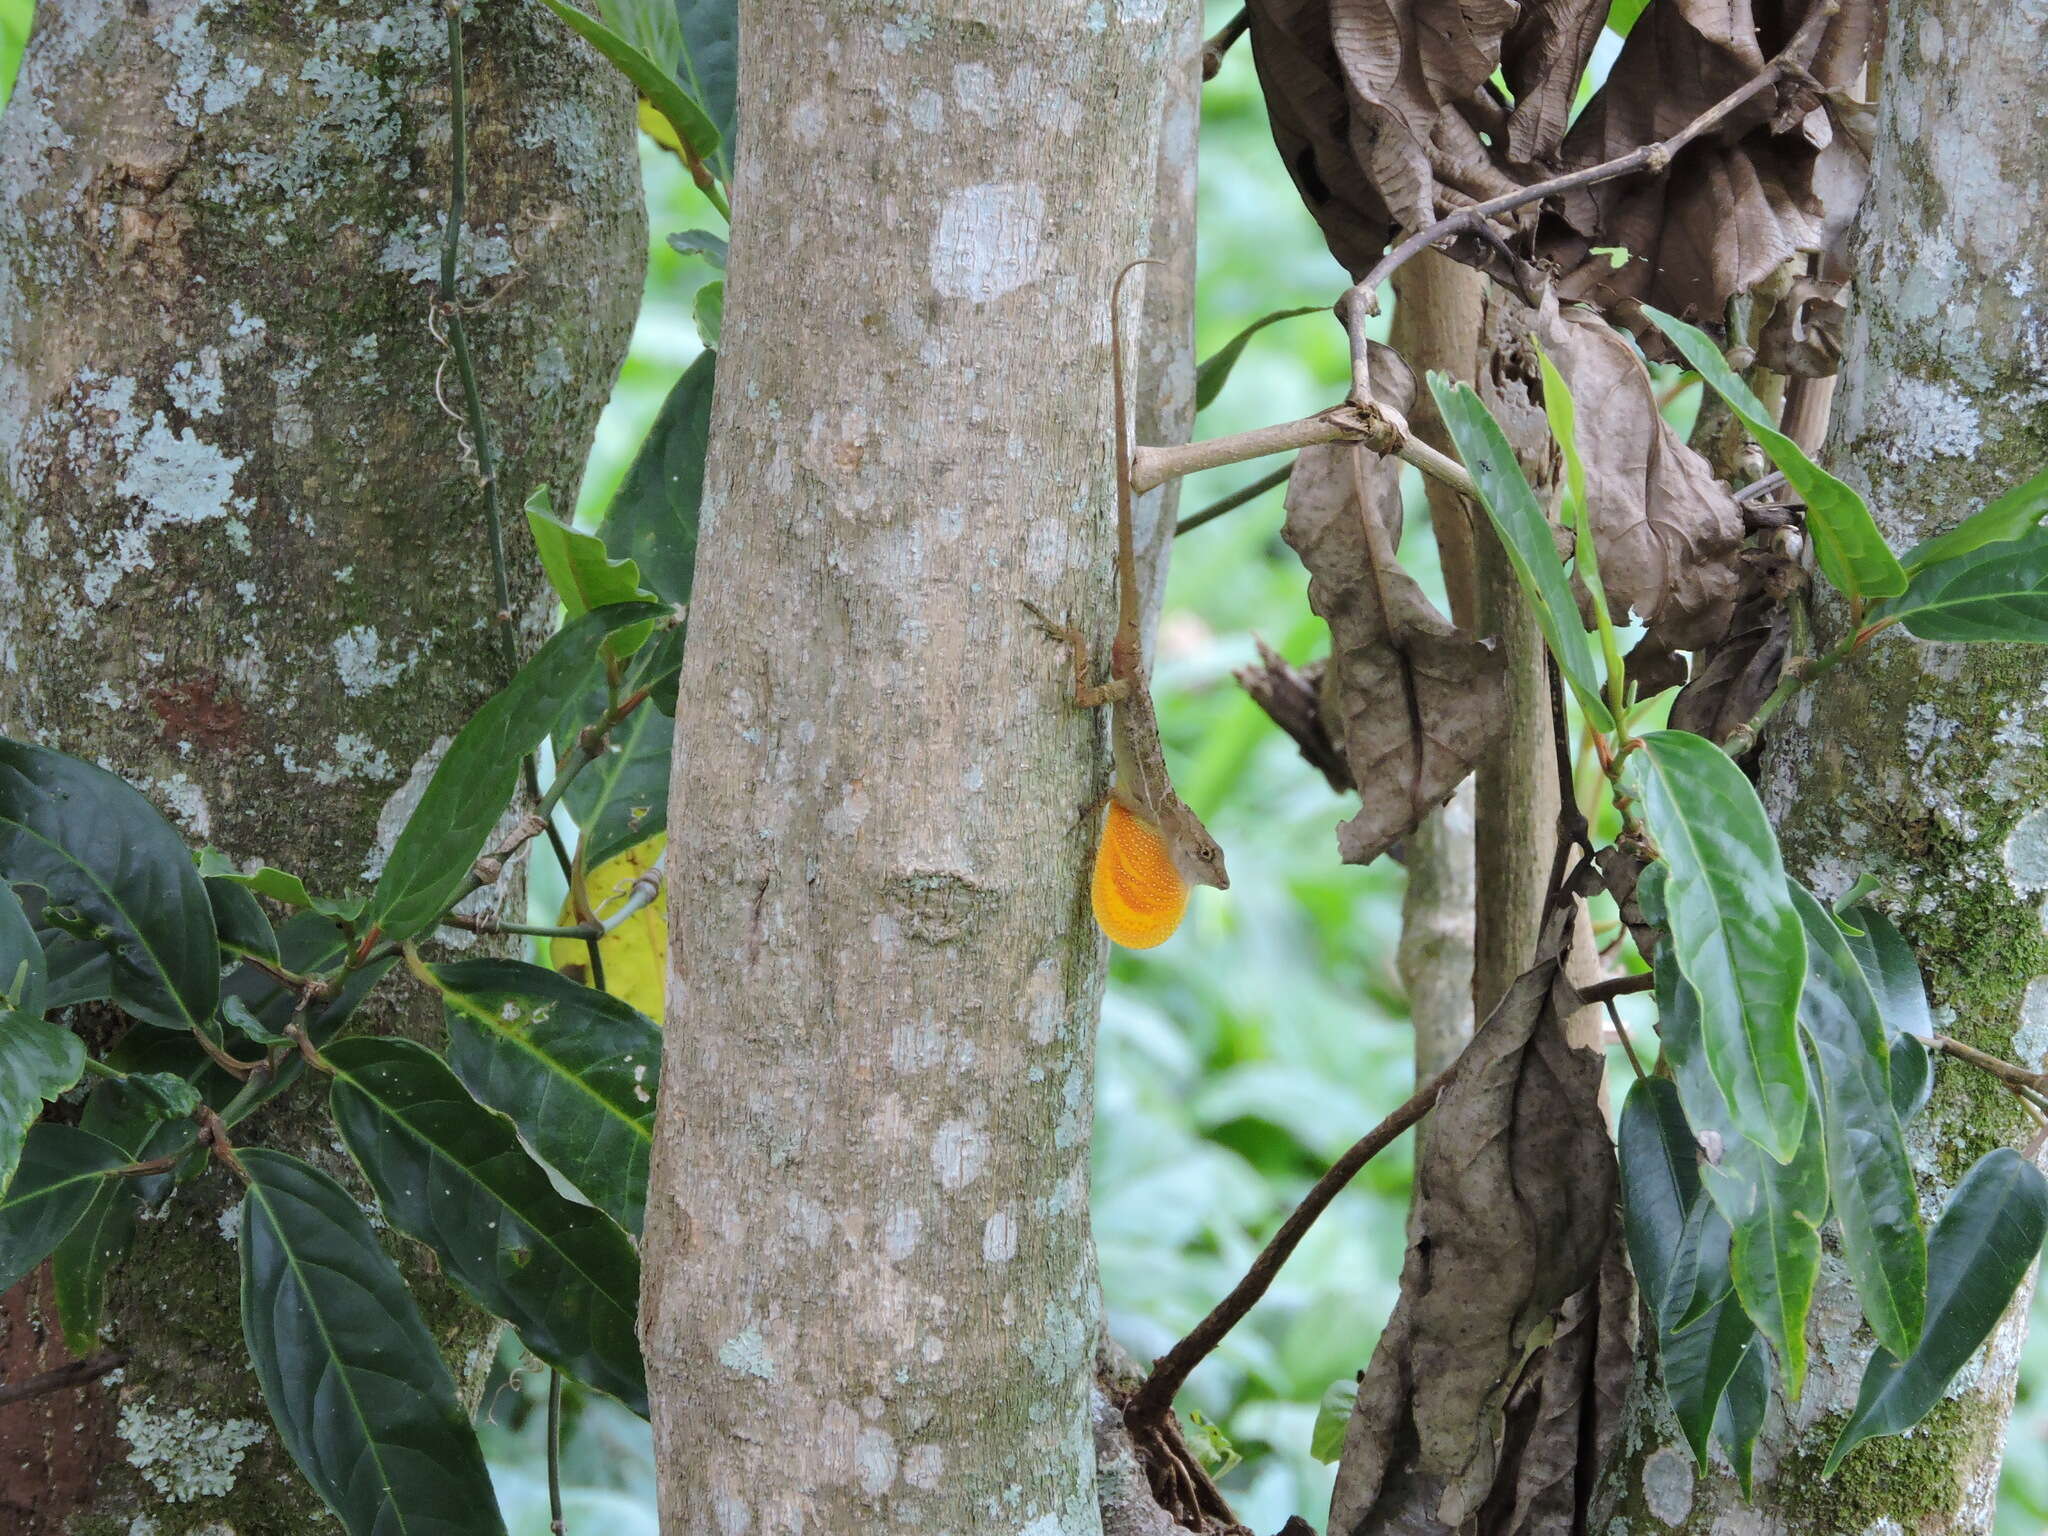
[{"x": 1388, "y": 117}]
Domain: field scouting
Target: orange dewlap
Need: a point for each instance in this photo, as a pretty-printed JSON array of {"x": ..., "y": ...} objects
[{"x": 1139, "y": 895}]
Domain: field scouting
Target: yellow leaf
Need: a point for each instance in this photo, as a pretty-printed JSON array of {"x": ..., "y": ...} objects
[
  {"x": 635, "y": 954},
  {"x": 658, "y": 127}
]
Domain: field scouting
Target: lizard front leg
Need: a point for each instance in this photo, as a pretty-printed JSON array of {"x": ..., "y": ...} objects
[{"x": 1086, "y": 694}]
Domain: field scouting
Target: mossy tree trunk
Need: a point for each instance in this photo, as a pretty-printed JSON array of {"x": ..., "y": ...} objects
[
  {"x": 870, "y": 1298},
  {"x": 241, "y": 560},
  {"x": 1923, "y": 765}
]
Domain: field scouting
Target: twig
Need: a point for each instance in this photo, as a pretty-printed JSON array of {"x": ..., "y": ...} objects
[
  {"x": 76, "y": 1374},
  {"x": 639, "y": 896},
  {"x": 1217, "y": 46},
  {"x": 1170, "y": 1371},
  {"x": 1233, "y": 501},
  {"x": 1615, "y": 986},
  {"x": 1362, "y": 302},
  {"x": 556, "y": 1524},
  {"x": 1372, "y": 425},
  {"x": 1984, "y": 1061},
  {"x": 1621, "y": 1034}
]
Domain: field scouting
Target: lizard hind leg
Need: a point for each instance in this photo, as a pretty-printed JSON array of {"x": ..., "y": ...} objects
[{"x": 1086, "y": 694}]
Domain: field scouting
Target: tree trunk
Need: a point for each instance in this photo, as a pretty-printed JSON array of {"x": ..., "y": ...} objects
[
  {"x": 870, "y": 1295},
  {"x": 1921, "y": 765},
  {"x": 241, "y": 560}
]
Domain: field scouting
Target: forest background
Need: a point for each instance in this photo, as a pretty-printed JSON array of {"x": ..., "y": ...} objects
[{"x": 1242, "y": 1057}]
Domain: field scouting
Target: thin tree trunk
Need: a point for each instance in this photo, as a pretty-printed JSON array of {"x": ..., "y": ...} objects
[
  {"x": 1922, "y": 764},
  {"x": 241, "y": 561},
  {"x": 870, "y": 1296}
]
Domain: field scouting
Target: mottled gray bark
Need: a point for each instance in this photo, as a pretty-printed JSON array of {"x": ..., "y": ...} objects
[
  {"x": 1922, "y": 764},
  {"x": 241, "y": 562},
  {"x": 870, "y": 1297}
]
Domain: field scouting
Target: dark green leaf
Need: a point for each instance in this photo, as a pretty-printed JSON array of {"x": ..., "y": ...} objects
[
  {"x": 709, "y": 312},
  {"x": 709, "y": 70},
  {"x": 474, "y": 782},
  {"x": 1888, "y": 964},
  {"x": 1999, "y": 592},
  {"x": 24, "y": 973},
  {"x": 38, "y": 1061},
  {"x": 80, "y": 1264},
  {"x": 1774, "y": 1210},
  {"x": 310, "y": 945},
  {"x": 699, "y": 242},
  {"x": 1737, "y": 939},
  {"x": 1741, "y": 1416},
  {"x": 651, "y": 79},
  {"x": 574, "y": 1068},
  {"x": 1333, "y": 1412},
  {"x": 60, "y": 1170},
  {"x": 653, "y": 518},
  {"x": 236, "y": 1015},
  {"x": 1702, "y": 1277},
  {"x": 621, "y": 799},
  {"x": 239, "y": 921},
  {"x": 1526, "y": 536},
  {"x": 2014, "y": 515},
  {"x": 1912, "y": 1068},
  {"x": 1214, "y": 371},
  {"x": 99, "y": 849},
  {"x": 1987, "y": 1239},
  {"x": 452, "y": 1174},
  {"x": 358, "y": 1391},
  {"x": 583, "y": 575},
  {"x": 1660, "y": 1184},
  {"x": 1697, "y": 1364},
  {"x": 279, "y": 885},
  {"x": 1869, "y": 1178},
  {"x": 1852, "y": 553}
]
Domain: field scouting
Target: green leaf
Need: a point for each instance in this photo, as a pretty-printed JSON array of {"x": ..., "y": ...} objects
[
  {"x": 1998, "y": 592},
  {"x": 80, "y": 1264},
  {"x": 709, "y": 69},
  {"x": 38, "y": 1061},
  {"x": 1741, "y": 1416},
  {"x": 1214, "y": 371},
  {"x": 583, "y": 575},
  {"x": 1660, "y": 1185},
  {"x": 355, "y": 1385},
  {"x": 452, "y": 1174},
  {"x": 1697, "y": 1363},
  {"x": 1737, "y": 938},
  {"x": 1870, "y": 1179},
  {"x": 101, "y": 850},
  {"x": 277, "y": 884},
  {"x": 651, "y": 79},
  {"x": 1562, "y": 414},
  {"x": 1912, "y": 1071},
  {"x": 24, "y": 973},
  {"x": 653, "y": 518},
  {"x": 1852, "y": 553},
  {"x": 2012, "y": 516},
  {"x": 699, "y": 242},
  {"x": 1526, "y": 537},
  {"x": 1333, "y": 1412},
  {"x": 621, "y": 798},
  {"x": 1981, "y": 1249},
  {"x": 709, "y": 312},
  {"x": 60, "y": 1170},
  {"x": 1774, "y": 1210},
  {"x": 236, "y": 1015},
  {"x": 1889, "y": 966},
  {"x": 475, "y": 780},
  {"x": 1621, "y": 19},
  {"x": 574, "y": 1068},
  {"x": 1702, "y": 1277},
  {"x": 239, "y": 922}
]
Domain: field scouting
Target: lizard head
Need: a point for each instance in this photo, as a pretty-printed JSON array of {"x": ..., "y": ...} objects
[{"x": 1196, "y": 855}]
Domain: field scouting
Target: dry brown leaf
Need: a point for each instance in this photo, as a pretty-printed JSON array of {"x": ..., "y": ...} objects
[
  {"x": 1803, "y": 337},
  {"x": 1668, "y": 533},
  {"x": 1465, "y": 1418},
  {"x": 1733, "y": 678},
  {"x": 1410, "y": 698}
]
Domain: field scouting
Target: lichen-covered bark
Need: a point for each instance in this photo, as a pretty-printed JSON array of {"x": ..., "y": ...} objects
[
  {"x": 869, "y": 1299},
  {"x": 1923, "y": 764},
  {"x": 241, "y": 562}
]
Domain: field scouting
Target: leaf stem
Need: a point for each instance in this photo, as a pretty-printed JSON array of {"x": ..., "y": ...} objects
[{"x": 556, "y": 1524}]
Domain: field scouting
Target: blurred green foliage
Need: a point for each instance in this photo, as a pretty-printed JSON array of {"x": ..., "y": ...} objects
[{"x": 1271, "y": 1032}]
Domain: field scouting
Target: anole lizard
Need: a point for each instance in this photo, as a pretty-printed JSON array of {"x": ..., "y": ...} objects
[{"x": 1154, "y": 850}]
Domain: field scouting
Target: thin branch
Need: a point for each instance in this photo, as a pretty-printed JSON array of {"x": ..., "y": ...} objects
[
  {"x": 1153, "y": 1399},
  {"x": 77, "y": 1374},
  {"x": 1621, "y": 1034},
  {"x": 556, "y": 1523},
  {"x": 1984, "y": 1061},
  {"x": 1362, "y": 301},
  {"x": 1373, "y": 426},
  {"x": 1217, "y": 46},
  {"x": 1234, "y": 500},
  {"x": 1615, "y": 986}
]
